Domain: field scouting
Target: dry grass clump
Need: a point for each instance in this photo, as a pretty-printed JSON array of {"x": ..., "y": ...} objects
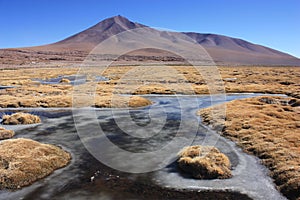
[
  {"x": 65, "y": 80},
  {"x": 153, "y": 89},
  {"x": 24, "y": 161},
  {"x": 204, "y": 162},
  {"x": 268, "y": 127},
  {"x": 115, "y": 101},
  {"x": 6, "y": 134},
  {"x": 136, "y": 101},
  {"x": 20, "y": 118}
]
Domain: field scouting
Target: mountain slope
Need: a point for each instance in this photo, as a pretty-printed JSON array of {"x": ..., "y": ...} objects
[
  {"x": 234, "y": 44},
  {"x": 234, "y": 50}
]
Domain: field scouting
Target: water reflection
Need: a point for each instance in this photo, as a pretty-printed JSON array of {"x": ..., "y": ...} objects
[{"x": 87, "y": 178}]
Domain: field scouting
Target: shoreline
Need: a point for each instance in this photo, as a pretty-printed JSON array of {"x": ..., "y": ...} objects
[
  {"x": 257, "y": 132},
  {"x": 142, "y": 95}
]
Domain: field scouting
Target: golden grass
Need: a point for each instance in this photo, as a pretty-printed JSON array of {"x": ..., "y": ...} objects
[
  {"x": 153, "y": 89},
  {"x": 65, "y": 80},
  {"x": 204, "y": 162},
  {"x": 20, "y": 118},
  {"x": 136, "y": 101},
  {"x": 28, "y": 93},
  {"x": 24, "y": 161},
  {"x": 267, "y": 130},
  {"x": 147, "y": 80},
  {"x": 280, "y": 80},
  {"x": 6, "y": 134},
  {"x": 268, "y": 127},
  {"x": 116, "y": 101}
]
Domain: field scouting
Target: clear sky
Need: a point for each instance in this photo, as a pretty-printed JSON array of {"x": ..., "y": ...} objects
[{"x": 273, "y": 23}]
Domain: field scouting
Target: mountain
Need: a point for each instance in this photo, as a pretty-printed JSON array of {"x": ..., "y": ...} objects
[
  {"x": 88, "y": 39},
  {"x": 222, "y": 49}
]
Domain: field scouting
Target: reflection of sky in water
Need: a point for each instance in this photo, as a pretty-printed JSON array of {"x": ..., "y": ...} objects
[
  {"x": 101, "y": 78},
  {"x": 74, "y": 181},
  {"x": 2, "y": 87}
]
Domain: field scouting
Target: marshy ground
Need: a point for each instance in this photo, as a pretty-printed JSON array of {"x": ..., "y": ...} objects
[
  {"x": 268, "y": 128},
  {"x": 27, "y": 92}
]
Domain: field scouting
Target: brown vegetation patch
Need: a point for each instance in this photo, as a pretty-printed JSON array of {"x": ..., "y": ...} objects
[
  {"x": 268, "y": 127},
  {"x": 147, "y": 80},
  {"x": 115, "y": 101},
  {"x": 20, "y": 118},
  {"x": 136, "y": 101},
  {"x": 153, "y": 89},
  {"x": 204, "y": 162},
  {"x": 65, "y": 80},
  {"x": 256, "y": 79},
  {"x": 6, "y": 134},
  {"x": 24, "y": 161},
  {"x": 63, "y": 101}
]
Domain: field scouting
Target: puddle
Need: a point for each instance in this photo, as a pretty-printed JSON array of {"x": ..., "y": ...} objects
[
  {"x": 3, "y": 87},
  {"x": 101, "y": 78}
]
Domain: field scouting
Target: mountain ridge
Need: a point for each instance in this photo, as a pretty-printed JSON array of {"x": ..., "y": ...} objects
[{"x": 240, "y": 42}]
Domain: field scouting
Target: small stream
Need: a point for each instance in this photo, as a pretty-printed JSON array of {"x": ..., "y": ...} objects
[{"x": 131, "y": 154}]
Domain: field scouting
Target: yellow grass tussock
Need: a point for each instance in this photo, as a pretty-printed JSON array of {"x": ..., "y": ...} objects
[
  {"x": 6, "y": 134},
  {"x": 20, "y": 118},
  {"x": 204, "y": 162},
  {"x": 24, "y": 161}
]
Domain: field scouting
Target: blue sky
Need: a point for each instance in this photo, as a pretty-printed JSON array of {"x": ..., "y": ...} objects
[{"x": 271, "y": 23}]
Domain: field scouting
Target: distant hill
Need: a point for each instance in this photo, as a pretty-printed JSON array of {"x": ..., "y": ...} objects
[{"x": 222, "y": 49}]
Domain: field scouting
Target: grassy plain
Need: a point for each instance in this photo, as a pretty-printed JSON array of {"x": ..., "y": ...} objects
[{"x": 28, "y": 92}]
